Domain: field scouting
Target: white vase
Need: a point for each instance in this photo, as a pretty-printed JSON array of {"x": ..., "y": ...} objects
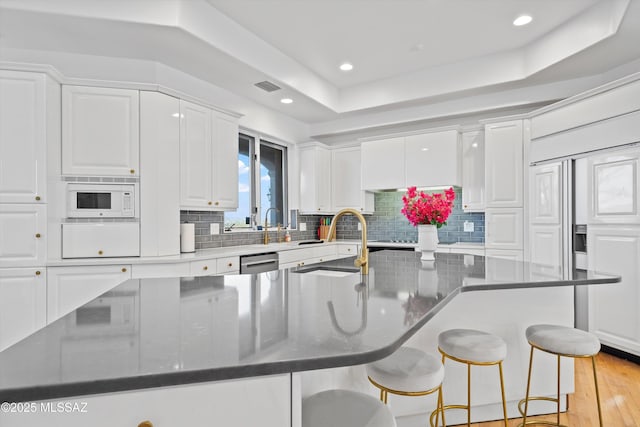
[{"x": 427, "y": 241}]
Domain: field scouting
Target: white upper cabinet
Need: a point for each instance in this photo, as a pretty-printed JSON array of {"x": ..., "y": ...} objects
[
  {"x": 613, "y": 188},
  {"x": 22, "y": 137},
  {"x": 315, "y": 180},
  {"x": 383, "y": 164},
  {"x": 100, "y": 131},
  {"x": 422, "y": 160},
  {"x": 432, "y": 159},
  {"x": 225, "y": 160},
  {"x": 159, "y": 174},
  {"x": 196, "y": 159},
  {"x": 208, "y": 159},
  {"x": 473, "y": 172},
  {"x": 504, "y": 164},
  {"x": 346, "y": 190},
  {"x": 23, "y": 229}
]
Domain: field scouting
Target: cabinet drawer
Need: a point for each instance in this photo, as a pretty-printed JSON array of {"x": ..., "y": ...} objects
[
  {"x": 148, "y": 271},
  {"x": 228, "y": 265},
  {"x": 205, "y": 267},
  {"x": 100, "y": 240},
  {"x": 294, "y": 255}
]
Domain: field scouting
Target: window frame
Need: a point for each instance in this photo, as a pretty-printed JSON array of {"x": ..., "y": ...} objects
[{"x": 255, "y": 143}]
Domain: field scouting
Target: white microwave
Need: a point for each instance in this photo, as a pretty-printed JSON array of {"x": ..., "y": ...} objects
[{"x": 98, "y": 200}]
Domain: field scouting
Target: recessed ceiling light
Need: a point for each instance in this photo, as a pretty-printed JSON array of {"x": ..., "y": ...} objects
[
  {"x": 346, "y": 66},
  {"x": 522, "y": 20},
  {"x": 286, "y": 100},
  {"x": 474, "y": 145}
]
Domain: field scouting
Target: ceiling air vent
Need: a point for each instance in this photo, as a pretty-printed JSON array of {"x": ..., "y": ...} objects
[{"x": 268, "y": 86}]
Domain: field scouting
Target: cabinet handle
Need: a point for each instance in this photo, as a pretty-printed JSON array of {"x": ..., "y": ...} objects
[
  {"x": 230, "y": 264},
  {"x": 100, "y": 252},
  {"x": 132, "y": 171},
  {"x": 348, "y": 249},
  {"x": 217, "y": 203},
  {"x": 37, "y": 235},
  {"x": 318, "y": 208},
  {"x": 205, "y": 268},
  {"x": 38, "y": 198},
  {"x": 145, "y": 424},
  {"x": 124, "y": 270},
  {"x": 302, "y": 263},
  {"x": 37, "y": 272},
  {"x": 209, "y": 203}
]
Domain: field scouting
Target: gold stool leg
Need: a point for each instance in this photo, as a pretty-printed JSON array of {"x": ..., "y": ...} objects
[
  {"x": 381, "y": 395},
  {"x": 595, "y": 379},
  {"x": 526, "y": 399},
  {"x": 558, "y": 394},
  {"x": 468, "y": 395},
  {"x": 504, "y": 401}
]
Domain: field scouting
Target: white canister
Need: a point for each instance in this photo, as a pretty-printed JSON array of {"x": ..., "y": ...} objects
[{"x": 187, "y": 237}]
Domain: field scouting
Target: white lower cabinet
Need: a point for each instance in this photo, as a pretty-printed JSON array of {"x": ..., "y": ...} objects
[
  {"x": 23, "y": 230},
  {"x": 259, "y": 401},
  {"x": 513, "y": 255},
  {"x": 504, "y": 228},
  {"x": 613, "y": 310},
  {"x": 70, "y": 287},
  {"x": 105, "y": 239},
  {"x": 23, "y": 303}
]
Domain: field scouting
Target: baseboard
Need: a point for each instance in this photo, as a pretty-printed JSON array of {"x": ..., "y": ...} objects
[{"x": 621, "y": 354}]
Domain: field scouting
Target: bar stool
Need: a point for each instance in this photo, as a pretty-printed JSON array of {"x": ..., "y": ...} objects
[
  {"x": 345, "y": 408},
  {"x": 473, "y": 347},
  {"x": 409, "y": 372},
  {"x": 561, "y": 341}
]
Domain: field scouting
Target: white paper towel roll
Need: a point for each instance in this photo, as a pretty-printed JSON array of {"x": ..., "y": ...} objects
[{"x": 187, "y": 237}]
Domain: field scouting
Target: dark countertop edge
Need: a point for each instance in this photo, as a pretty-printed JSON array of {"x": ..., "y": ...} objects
[{"x": 550, "y": 284}]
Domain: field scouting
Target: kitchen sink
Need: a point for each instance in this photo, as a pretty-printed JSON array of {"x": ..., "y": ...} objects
[
  {"x": 310, "y": 242},
  {"x": 323, "y": 270}
]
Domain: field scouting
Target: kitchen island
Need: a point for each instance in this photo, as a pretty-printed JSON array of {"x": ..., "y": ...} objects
[{"x": 176, "y": 334}]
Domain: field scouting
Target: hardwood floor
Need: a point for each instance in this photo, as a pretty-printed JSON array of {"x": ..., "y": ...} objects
[{"x": 619, "y": 382}]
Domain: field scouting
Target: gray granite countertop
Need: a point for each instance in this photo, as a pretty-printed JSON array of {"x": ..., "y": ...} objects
[{"x": 158, "y": 332}]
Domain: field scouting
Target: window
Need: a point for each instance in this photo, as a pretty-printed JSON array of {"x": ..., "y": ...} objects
[{"x": 262, "y": 182}]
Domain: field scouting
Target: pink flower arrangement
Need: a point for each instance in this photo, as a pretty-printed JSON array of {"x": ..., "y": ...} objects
[{"x": 423, "y": 208}]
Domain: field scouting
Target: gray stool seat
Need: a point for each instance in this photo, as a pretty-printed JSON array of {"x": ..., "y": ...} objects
[
  {"x": 563, "y": 340},
  {"x": 345, "y": 408},
  {"x": 407, "y": 370},
  {"x": 472, "y": 345}
]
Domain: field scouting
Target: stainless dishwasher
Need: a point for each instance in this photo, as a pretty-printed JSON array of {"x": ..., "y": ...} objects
[{"x": 258, "y": 263}]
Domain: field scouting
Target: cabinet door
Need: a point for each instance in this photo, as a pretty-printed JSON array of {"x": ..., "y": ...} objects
[
  {"x": 504, "y": 164},
  {"x": 100, "y": 133},
  {"x": 546, "y": 217},
  {"x": 100, "y": 240},
  {"x": 23, "y": 229},
  {"x": 196, "y": 157},
  {"x": 71, "y": 287},
  {"x": 159, "y": 174},
  {"x": 315, "y": 180},
  {"x": 225, "y": 160},
  {"x": 260, "y": 401},
  {"x": 22, "y": 137},
  {"x": 23, "y": 303},
  {"x": 473, "y": 172},
  {"x": 504, "y": 229},
  {"x": 613, "y": 310},
  {"x": 433, "y": 159},
  {"x": 613, "y": 187},
  {"x": 383, "y": 164},
  {"x": 346, "y": 188}
]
